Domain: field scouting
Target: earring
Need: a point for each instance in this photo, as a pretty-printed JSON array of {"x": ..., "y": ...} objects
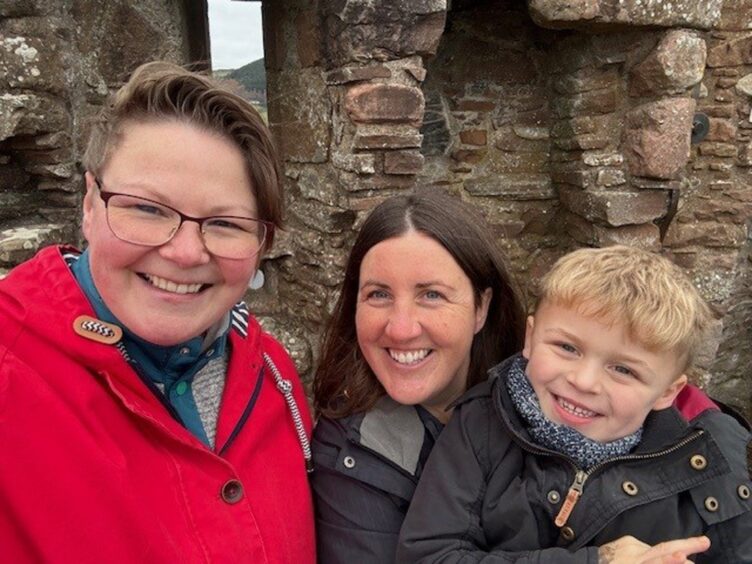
[{"x": 257, "y": 282}]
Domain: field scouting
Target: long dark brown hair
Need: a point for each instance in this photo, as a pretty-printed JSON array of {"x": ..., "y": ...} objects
[{"x": 344, "y": 383}]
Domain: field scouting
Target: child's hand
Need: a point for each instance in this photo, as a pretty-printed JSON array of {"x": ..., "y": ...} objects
[{"x": 629, "y": 550}]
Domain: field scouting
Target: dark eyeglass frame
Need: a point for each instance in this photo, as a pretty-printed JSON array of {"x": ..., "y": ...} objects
[{"x": 106, "y": 195}]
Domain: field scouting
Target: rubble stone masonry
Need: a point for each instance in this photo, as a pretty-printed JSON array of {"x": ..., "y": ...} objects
[{"x": 567, "y": 123}]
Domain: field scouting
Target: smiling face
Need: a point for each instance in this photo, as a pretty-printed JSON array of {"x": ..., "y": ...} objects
[
  {"x": 174, "y": 292},
  {"x": 594, "y": 377},
  {"x": 416, "y": 318}
]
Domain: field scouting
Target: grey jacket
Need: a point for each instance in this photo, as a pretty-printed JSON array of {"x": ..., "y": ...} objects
[
  {"x": 488, "y": 494},
  {"x": 366, "y": 469}
]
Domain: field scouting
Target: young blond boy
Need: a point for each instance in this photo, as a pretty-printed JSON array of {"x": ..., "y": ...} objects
[{"x": 573, "y": 451}]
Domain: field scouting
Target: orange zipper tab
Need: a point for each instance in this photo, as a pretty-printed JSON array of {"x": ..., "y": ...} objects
[{"x": 573, "y": 496}]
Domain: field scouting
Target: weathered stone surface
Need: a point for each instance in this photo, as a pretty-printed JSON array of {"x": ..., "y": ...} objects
[
  {"x": 616, "y": 208},
  {"x": 521, "y": 140},
  {"x": 744, "y": 85},
  {"x": 357, "y": 73},
  {"x": 584, "y": 133},
  {"x": 387, "y": 138},
  {"x": 723, "y": 150},
  {"x": 645, "y": 236},
  {"x": 721, "y": 130},
  {"x": 362, "y": 163},
  {"x": 731, "y": 52},
  {"x": 705, "y": 234},
  {"x": 382, "y": 32},
  {"x": 478, "y": 137},
  {"x": 736, "y": 15},
  {"x": 676, "y": 64},
  {"x": 20, "y": 243},
  {"x": 403, "y": 162},
  {"x": 512, "y": 186},
  {"x": 31, "y": 62},
  {"x": 657, "y": 137},
  {"x": 653, "y": 184},
  {"x": 300, "y": 118},
  {"x": 384, "y": 103},
  {"x": 586, "y": 79},
  {"x": 31, "y": 114},
  {"x": 601, "y": 101},
  {"x": 308, "y": 37},
  {"x": 584, "y": 13},
  {"x": 320, "y": 217}
]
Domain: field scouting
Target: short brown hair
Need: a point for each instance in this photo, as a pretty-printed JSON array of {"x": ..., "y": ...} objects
[
  {"x": 162, "y": 91},
  {"x": 344, "y": 383},
  {"x": 652, "y": 296}
]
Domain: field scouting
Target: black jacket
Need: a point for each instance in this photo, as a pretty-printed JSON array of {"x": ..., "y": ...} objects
[
  {"x": 367, "y": 467},
  {"x": 488, "y": 494}
]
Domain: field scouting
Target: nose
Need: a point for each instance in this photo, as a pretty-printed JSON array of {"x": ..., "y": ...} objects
[
  {"x": 186, "y": 247},
  {"x": 403, "y": 323},
  {"x": 585, "y": 377}
]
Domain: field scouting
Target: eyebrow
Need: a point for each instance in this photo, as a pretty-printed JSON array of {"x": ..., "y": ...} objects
[{"x": 419, "y": 285}]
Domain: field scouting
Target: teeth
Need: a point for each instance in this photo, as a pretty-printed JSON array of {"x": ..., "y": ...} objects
[
  {"x": 170, "y": 286},
  {"x": 575, "y": 410},
  {"x": 409, "y": 357}
]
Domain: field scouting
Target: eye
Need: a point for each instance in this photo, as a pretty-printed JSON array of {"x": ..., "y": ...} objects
[
  {"x": 624, "y": 370},
  {"x": 433, "y": 295},
  {"x": 148, "y": 209},
  {"x": 225, "y": 223},
  {"x": 566, "y": 347},
  {"x": 378, "y": 294}
]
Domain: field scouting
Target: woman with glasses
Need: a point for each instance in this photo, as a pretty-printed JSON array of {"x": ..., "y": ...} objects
[{"x": 144, "y": 414}]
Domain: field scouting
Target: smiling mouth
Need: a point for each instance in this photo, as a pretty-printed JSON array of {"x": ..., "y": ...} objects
[
  {"x": 409, "y": 357},
  {"x": 173, "y": 287},
  {"x": 575, "y": 409}
]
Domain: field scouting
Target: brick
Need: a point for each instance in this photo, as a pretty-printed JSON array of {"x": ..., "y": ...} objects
[
  {"x": 616, "y": 208},
  {"x": 657, "y": 137},
  {"x": 477, "y": 137},
  {"x": 403, "y": 162},
  {"x": 384, "y": 103}
]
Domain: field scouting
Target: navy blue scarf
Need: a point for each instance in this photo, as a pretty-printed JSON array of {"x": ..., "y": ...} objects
[{"x": 560, "y": 438}]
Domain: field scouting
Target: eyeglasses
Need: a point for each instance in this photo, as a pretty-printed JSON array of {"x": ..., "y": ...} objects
[{"x": 142, "y": 221}]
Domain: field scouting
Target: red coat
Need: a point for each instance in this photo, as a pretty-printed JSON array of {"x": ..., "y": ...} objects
[{"x": 94, "y": 469}]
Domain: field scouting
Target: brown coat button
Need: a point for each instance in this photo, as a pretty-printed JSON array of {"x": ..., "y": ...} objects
[
  {"x": 232, "y": 491},
  {"x": 567, "y": 533}
]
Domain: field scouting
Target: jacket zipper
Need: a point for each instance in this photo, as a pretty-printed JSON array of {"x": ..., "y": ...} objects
[{"x": 581, "y": 476}]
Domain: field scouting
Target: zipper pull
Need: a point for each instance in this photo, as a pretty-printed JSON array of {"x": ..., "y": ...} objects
[{"x": 573, "y": 495}]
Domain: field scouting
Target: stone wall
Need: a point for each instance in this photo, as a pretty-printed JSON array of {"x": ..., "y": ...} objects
[
  {"x": 567, "y": 128},
  {"x": 58, "y": 60},
  {"x": 568, "y": 124}
]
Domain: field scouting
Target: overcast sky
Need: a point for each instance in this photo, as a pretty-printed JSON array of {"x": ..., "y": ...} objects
[{"x": 235, "y": 31}]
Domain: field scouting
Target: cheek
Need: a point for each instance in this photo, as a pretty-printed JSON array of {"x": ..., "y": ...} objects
[
  {"x": 366, "y": 322},
  {"x": 236, "y": 273}
]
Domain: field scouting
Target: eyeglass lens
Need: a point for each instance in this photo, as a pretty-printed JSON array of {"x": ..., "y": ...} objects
[{"x": 143, "y": 222}]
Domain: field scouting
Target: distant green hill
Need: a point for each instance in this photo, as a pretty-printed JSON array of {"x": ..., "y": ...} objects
[{"x": 252, "y": 76}]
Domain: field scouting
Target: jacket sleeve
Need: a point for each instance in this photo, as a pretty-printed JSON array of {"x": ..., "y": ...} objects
[
  {"x": 355, "y": 521},
  {"x": 729, "y": 527},
  {"x": 443, "y": 523}
]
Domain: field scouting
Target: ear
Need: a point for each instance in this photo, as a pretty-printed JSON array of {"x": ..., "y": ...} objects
[
  {"x": 481, "y": 312},
  {"x": 88, "y": 204},
  {"x": 528, "y": 336},
  {"x": 667, "y": 398}
]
